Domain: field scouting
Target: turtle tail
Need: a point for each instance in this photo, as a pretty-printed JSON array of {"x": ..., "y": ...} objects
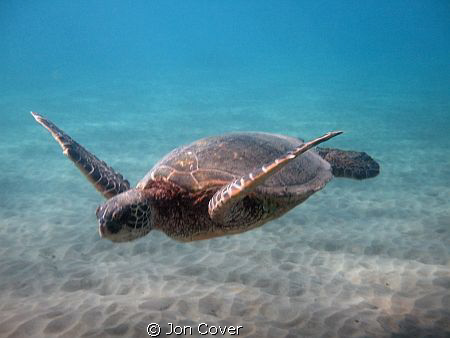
[{"x": 350, "y": 164}]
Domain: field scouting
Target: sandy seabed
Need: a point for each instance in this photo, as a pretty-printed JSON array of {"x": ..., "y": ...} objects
[
  {"x": 354, "y": 261},
  {"x": 358, "y": 259}
]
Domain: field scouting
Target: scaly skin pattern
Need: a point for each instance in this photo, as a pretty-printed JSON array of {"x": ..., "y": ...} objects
[
  {"x": 184, "y": 216},
  {"x": 104, "y": 178}
]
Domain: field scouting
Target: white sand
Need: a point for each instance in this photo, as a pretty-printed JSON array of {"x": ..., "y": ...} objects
[
  {"x": 358, "y": 259},
  {"x": 346, "y": 263}
]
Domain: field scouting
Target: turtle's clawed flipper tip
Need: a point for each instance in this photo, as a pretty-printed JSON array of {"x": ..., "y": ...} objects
[{"x": 62, "y": 138}]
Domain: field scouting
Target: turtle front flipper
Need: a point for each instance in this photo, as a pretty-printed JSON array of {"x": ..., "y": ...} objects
[
  {"x": 350, "y": 164},
  {"x": 223, "y": 200},
  {"x": 107, "y": 181}
]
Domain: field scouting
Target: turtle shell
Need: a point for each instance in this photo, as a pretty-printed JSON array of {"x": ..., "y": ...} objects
[{"x": 212, "y": 162}]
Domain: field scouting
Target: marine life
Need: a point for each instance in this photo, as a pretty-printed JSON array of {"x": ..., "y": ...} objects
[{"x": 215, "y": 186}]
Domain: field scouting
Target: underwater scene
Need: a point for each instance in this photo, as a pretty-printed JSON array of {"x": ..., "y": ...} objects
[{"x": 132, "y": 80}]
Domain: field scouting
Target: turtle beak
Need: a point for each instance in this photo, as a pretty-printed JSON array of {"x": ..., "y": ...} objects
[
  {"x": 102, "y": 227},
  {"x": 101, "y": 221}
]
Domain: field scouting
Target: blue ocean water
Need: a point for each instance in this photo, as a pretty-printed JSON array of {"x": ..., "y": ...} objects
[{"x": 132, "y": 80}]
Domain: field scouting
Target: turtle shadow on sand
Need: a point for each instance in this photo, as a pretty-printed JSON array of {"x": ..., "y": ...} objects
[{"x": 215, "y": 186}]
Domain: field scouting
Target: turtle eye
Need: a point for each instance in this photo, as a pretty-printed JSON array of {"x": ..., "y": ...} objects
[
  {"x": 116, "y": 215},
  {"x": 121, "y": 215}
]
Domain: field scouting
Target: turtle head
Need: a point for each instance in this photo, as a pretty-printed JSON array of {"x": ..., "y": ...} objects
[{"x": 124, "y": 217}]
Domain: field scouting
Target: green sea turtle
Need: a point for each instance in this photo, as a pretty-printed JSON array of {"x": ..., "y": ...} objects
[{"x": 215, "y": 186}]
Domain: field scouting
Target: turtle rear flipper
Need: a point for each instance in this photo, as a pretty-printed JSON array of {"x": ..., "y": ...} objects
[
  {"x": 107, "y": 181},
  {"x": 223, "y": 200},
  {"x": 350, "y": 164}
]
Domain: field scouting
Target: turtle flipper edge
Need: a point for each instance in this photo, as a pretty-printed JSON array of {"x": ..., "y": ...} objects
[
  {"x": 350, "y": 164},
  {"x": 104, "y": 178},
  {"x": 222, "y": 201}
]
